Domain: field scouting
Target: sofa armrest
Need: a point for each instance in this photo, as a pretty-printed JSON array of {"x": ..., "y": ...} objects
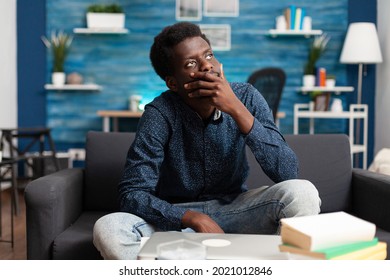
[
  {"x": 53, "y": 203},
  {"x": 371, "y": 197}
]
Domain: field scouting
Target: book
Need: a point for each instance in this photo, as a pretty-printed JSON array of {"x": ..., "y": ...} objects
[
  {"x": 332, "y": 252},
  {"x": 298, "y": 14},
  {"x": 303, "y": 14},
  {"x": 287, "y": 15},
  {"x": 376, "y": 252},
  {"x": 325, "y": 230},
  {"x": 321, "y": 77},
  {"x": 292, "y": 17}
]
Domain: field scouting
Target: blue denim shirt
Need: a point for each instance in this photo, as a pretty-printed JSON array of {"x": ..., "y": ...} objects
[{"x": 176, "y": 157}]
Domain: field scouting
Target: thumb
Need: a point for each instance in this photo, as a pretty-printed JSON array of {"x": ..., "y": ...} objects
[{"x": 221, "y": 73}]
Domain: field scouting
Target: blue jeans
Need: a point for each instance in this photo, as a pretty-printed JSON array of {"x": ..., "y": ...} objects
[{"x": 258, "y": 211}]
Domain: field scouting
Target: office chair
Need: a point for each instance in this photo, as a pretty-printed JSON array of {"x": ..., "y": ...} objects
[{"x": 270, "y": 83}]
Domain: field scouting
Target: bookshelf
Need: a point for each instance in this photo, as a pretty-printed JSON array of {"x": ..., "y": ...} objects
[{"x": 355, "y": 112}]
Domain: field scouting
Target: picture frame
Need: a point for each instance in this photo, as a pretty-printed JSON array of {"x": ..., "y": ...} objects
[
  {"x": 321, "y": 102},
  {"x": 219, "y": 36},
  {"x": 188, "y": 10},
  {"x": 221, "y": 8}
]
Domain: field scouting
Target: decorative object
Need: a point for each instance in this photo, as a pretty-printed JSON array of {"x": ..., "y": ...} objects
[
  {"x": 229, "y": 8},
  {"x": 361, "y": 46},
  {"x": 280, "y": 23},
  {"x": 337, "y": 105},
  {"x": 219, "y": 35},
  {"x": 190, "y": 10},
  {"x": 307, "y": 22},
  {"x": 105, "y": 16},
  {"x": 321, "y": 101},
  {"x": 59, "y": 43},
  {"x": 135, "y": 101},
  {"x": 74, "y": 78},
  {"x": 317, "y": 48}
]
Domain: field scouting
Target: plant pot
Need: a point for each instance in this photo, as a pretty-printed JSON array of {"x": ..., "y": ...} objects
[
  {"x": 58, "y": 78},
  {"x": 309, "y": 80},
  {"x": 330, "y": 83},
  {"x": 105, "y": 20}
]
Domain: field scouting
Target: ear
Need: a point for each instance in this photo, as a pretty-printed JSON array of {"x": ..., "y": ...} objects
[{"x": 171, "y": 83}]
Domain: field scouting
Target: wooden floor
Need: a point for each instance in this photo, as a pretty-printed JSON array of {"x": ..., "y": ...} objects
[{"x": 19, "y": 250}]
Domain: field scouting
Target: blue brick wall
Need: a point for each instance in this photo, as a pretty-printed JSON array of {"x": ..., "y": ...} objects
[{"x": 120, "y": 63}]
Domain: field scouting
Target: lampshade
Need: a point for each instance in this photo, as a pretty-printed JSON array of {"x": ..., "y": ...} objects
[{"x": 361, "y": 44}]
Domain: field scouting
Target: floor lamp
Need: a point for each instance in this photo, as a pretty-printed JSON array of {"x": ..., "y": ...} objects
[{"x": 361, "y": 46}]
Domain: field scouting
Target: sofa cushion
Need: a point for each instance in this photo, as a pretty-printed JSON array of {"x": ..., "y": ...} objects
[
  {"x": 325, "y": 160},
  {"x": 75, "y": 243},
  {"x": 384, "y": 236},
  {"x": 105, "y": 160}
]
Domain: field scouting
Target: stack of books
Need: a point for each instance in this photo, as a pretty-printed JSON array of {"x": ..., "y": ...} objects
[
  {"x": 294, "y": 17},
  {"x": 333, "y": 236}
]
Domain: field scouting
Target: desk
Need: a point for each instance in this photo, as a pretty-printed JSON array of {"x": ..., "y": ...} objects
[
  {"x": 106, "y": 115},
  {"x": 356, "y": 112},
  {"x": 115, "y": 115}
]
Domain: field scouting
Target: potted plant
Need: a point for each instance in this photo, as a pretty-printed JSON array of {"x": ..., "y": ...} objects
[
  {"x": 317, "y": 48},
  {"x": 105, "y": 16},
  {"x": 59, "y": 43},
  {"x": 330, "y": 80}
]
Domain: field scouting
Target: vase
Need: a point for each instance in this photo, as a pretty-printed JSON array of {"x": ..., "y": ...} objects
[
  {"x": 309, "y": 80},
  {"x": 58, "y": 78}
]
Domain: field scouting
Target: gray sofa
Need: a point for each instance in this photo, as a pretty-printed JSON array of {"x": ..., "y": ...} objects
[{"x": 62, "y": 207}]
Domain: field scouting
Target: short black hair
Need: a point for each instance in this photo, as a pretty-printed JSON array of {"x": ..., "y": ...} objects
[{"x": 161, "y": 52}]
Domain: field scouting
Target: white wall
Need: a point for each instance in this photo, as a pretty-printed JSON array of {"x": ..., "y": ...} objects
[
  {"x": 382, "y": 114},
  {"x": 8, "y": 74}
]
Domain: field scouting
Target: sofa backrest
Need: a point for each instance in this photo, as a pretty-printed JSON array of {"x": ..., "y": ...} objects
[
  {"x": 105, "y": 158},
  {"x": 324, "y": 159}
]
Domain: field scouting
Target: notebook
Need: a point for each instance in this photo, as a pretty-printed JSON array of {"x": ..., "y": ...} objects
[{"x": 220, "y": 246}]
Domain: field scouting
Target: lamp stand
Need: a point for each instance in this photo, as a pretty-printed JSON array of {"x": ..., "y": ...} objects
[{"x": 359, "y": 101}]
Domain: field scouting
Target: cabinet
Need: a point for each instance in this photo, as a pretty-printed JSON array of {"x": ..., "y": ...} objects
[{"x": 356, "y": 112}]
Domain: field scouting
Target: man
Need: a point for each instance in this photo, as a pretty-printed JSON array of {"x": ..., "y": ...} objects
[{"x": 187, "y": 166}]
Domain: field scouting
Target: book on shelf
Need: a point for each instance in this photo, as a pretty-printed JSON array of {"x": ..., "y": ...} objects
[
  {"x": 292, "y": 16},
  {"x": 325, "y": 230},
  {"x": 372, "y": 249}
]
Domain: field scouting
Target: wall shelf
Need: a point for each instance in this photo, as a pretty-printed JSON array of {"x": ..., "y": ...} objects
[
  {"x": 82, "y": 87},
  {"x": 307, "y": 34},
  {"x": 100, "y": 30},
  {"x": 336, "y": 90}
]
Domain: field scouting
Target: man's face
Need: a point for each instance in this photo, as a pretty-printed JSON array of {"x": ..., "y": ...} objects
[{"x": 191, "y": 56}]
